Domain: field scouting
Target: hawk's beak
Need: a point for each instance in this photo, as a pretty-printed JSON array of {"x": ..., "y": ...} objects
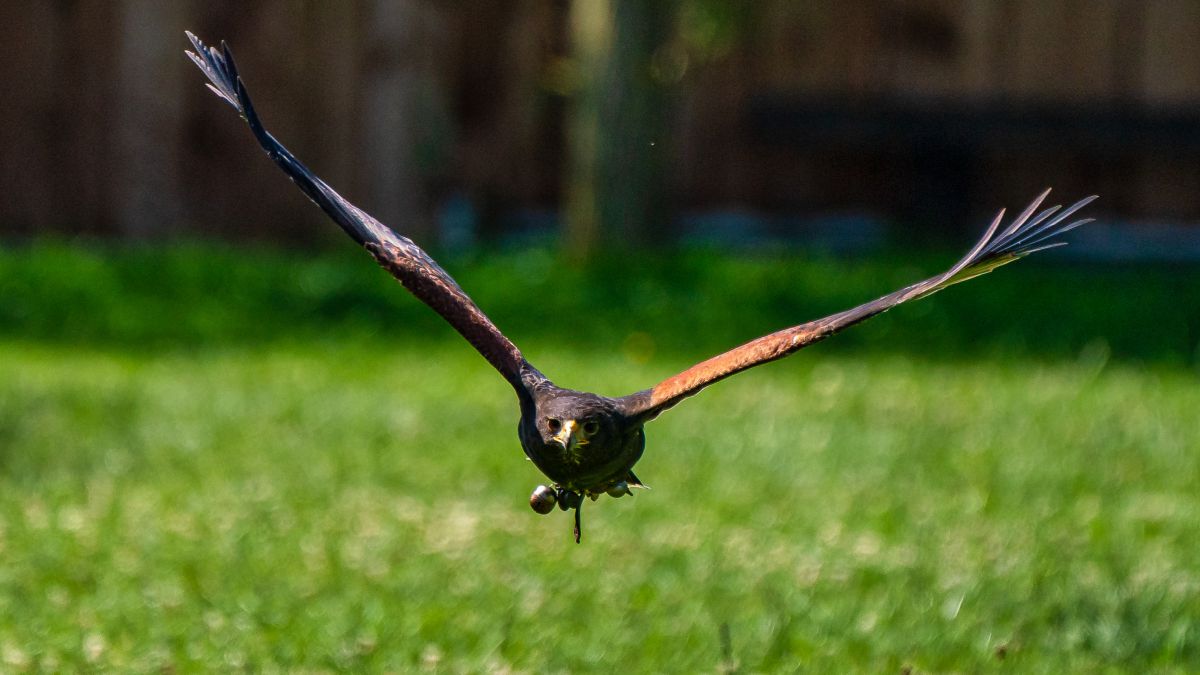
[{"x": 566, "y": 436}]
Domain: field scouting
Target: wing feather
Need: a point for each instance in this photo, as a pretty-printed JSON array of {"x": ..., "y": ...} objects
[
  {"x": 1022, "y": 237},
  {"x": 406, "y": 261}
]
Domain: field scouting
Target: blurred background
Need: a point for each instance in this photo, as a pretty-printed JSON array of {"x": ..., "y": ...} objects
[
  {"x": 611, "y": 123},
  {"x": 228, "y": 442}
]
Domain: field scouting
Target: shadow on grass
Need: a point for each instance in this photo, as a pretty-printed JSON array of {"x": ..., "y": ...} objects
[{"x": 686, "y": 303}]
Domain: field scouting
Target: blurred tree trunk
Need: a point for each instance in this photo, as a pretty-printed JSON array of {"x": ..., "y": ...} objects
[
  {"x": 404, "y": 111},
  {"x": 616, "y": 187},
  {"x": 149, "y": 119}
]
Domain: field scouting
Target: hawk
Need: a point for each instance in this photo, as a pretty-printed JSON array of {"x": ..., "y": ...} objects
[{"x": 587, "y": 444}]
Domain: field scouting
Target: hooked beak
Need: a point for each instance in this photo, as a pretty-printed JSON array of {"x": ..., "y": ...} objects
[{"x": 566, "y": 436}]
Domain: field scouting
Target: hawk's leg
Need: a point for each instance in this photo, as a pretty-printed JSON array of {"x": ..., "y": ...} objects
[{"x": 567, "y": 500}]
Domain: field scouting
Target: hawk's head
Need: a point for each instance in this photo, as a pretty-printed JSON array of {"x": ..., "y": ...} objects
[{"x": 585, "y": 443}]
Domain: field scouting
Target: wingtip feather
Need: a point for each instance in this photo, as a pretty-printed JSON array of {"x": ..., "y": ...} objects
[
  {"x": 982, "y": 244},
  {"x": 1020, "y": 220},
  {"x": 1016, "y": 242},
  {"x": 220, "y": 69}
]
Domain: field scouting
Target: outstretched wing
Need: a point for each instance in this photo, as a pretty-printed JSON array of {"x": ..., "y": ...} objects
[
  {"x": 1027, "y": 234},
  {"x": 395, "y": 253}
]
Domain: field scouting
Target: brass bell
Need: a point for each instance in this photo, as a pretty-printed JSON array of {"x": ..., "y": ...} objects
[{"x": 542, "y": 500}]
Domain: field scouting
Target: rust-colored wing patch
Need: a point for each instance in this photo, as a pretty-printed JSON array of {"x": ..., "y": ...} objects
[
  {"x": 1027, "y": 234},
  {"x": 428, "y": 281},
  {"x": 406, "y": 261}
]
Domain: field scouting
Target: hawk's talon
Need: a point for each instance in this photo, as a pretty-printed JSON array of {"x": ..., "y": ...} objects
[
  {"x": 569, "y": 499},
  {"x": 619, "y": 490}
]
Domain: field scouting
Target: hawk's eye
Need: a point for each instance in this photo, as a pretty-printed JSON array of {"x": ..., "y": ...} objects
[
  {"x": 591, "y": 427},
  {"x": 554, "y": 424}
]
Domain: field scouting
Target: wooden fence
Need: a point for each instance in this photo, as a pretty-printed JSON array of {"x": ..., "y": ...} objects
[{"x": 896, "y": 106}]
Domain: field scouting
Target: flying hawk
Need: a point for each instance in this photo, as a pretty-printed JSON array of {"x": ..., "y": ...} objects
[{"x": 587, "y": 444}]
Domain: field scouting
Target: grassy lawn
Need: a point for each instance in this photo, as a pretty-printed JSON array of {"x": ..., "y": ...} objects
[{"x": 218, "y": 460}]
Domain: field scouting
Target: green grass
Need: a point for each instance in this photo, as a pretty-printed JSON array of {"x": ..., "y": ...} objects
[{"x": 220, "y": 461}]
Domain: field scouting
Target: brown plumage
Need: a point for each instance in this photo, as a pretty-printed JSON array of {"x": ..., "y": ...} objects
[{"x": 585, "y": 443}]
